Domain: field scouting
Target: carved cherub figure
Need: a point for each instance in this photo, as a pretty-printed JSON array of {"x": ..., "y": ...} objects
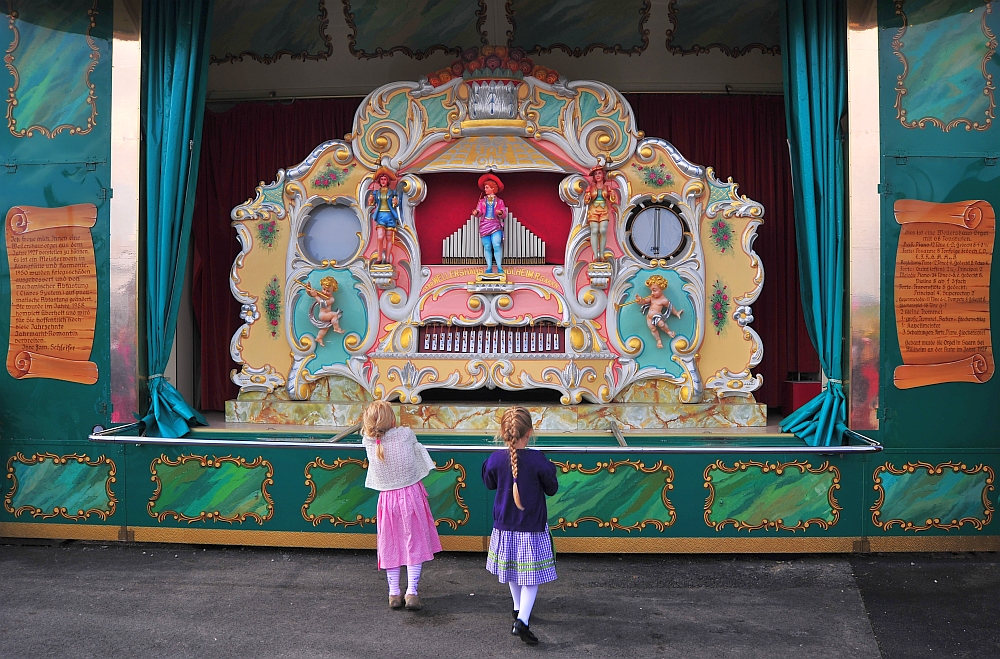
[
  {"x": 328, "y": 316},
  {"x": 657, "y": 308}
]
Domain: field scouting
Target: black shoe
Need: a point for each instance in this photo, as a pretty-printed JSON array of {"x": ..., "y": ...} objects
[
  {"x": 521, "y": 629},
  {"x": 514, "y": 613}
]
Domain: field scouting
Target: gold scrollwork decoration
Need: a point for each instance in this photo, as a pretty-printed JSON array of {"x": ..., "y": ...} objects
[
  {"x": 932, "y": 470},
  {"x": 988, "y": 87},
  {"x": 38, "y": 458},
  {"x": 613, "y": 524},
  {"x": 459, "y": 485},
  {"x": 778, "y": 468},
  {"x": 215, "y": 462},
  {"x": 12, "y": 102},
  {"x": 336, "y": 520}
]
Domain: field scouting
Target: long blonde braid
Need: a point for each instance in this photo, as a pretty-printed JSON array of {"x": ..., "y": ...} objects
[
  {"x": 377, "y": 419},
  {"x": 514, "y": 425}
]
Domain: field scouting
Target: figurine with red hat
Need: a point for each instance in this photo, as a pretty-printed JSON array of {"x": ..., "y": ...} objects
[
  {"x": 383, "y": 202},
  {"x": 601, "y": 200},
  {"x": 491, "y": 211}
]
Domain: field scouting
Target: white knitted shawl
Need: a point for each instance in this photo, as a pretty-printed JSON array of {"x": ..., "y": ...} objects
[{"x": 406, "y": 460}]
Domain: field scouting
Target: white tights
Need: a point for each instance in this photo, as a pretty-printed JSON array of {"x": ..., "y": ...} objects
[
  {"x": 524, "y": 599},
  {"x": 412, "y": 578}
]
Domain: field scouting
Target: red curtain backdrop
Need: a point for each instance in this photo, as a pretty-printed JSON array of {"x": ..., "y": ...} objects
[
  {"x": 739, "y": 136},
  {"x": 533, "y": 198},
  {"x": 744, "y": 137},
  {"x": 240, "y": 148}
]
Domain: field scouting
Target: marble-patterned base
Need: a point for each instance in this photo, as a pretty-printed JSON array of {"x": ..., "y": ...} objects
[{"x": 633, "y": 416}]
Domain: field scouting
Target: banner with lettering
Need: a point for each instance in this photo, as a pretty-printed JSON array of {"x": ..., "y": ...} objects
[
  {"x": 943, "y": 292},
  {"x": 53, "y": 292}
]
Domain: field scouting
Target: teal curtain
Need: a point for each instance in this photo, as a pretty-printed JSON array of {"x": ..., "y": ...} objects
[
  {"x": 175, "y": 70},
  {"x": 814, "y": 52}
]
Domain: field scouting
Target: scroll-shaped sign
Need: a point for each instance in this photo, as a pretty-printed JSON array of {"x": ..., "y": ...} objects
[
  {"x": 53, "y": 292},
  {"x": 943, "y": 292}
]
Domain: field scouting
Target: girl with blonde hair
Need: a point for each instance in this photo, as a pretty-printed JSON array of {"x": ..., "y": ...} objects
[
  {"x": 407, "y": 535},
  {"x": 520, "y": 547}
]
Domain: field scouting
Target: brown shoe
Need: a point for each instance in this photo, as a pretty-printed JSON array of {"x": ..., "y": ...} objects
[
  {"x": 395, "y": 601},
  {"x": 413, "y": 603}
]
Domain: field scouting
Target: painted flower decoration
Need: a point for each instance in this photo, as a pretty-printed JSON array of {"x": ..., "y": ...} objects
[
  {"x": 332, "y": 175},
  {"x": 272, "y": 305},
  {"x": 655, "y": 176},
  {"x": 722, "y": 235},
  {"x": 718, "y": 306},
  {"x": 267, "y": 233}
]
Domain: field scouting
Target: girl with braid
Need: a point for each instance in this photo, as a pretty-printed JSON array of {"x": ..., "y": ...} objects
[
  {"x": 520, "y": 547},
  {"x": 407, "y": 535}
]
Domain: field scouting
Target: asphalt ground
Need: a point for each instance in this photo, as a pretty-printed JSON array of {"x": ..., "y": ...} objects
[{"x": 81, "y": 600}]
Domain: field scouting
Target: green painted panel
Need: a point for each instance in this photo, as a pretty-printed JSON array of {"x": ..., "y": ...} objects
[
  {"x": 53, "y": 56},
  {"x": 437, "y": 113},
  {"x": 72, "y": 486},
  {"x": 953, "y": 414},
  {"x": 63, "y": 64},
  {"x": 946, "y": 46},
  {"x": 920, "y": 496},
  {"x": 411, "y": 27},
  {"x": 268, "y": 30},
  {"x": 625, "y": 495},
  {"x": 699, "y": 26},
  {"x": 788, "y": 496},
  {"x": 200, "y": 488},
  {"x": 579, "y": 26},
  {"x": 444, "y": 486},
  {"x": 337, "y": 492},
  {"x": 551, "y": 110}
]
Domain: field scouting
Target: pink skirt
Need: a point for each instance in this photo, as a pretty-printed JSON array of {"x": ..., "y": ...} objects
[{"x": 406, "y": 531}]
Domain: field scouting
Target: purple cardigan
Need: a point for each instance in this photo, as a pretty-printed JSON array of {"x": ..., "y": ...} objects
[{"x": 536, "y": 478}]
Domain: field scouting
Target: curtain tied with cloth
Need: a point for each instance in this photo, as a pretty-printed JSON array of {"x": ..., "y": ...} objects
[
  {"x": 814, "y": 45},
  {"x": 175, "y": 71}
]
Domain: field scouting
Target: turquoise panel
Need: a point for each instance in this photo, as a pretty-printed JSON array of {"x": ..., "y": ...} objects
[
  {"x": 752, "y": 495},
  {"x": 196, "y": 488},
  {"x": 551, "y": 110},
  {"x": 578, "y": 26},
  {"x": 267, "y": 30},
  {"x": 588, "y": 104},
  {"x": 621, "y": 495},
  {"x": 944, "y": 45},
  {"x": 732, "y": 26},
  {"x": 354, "y": 318},
  {"x": 397, "y": 107},
  {"x": 437, "y": 114},
  {"x": 340, "y": 493},
  {"x": 412, "y": 27},
  {"x": 53, "y": 58},
  {"x": 921, "y": 498},
  {"x": 632, "y": 323},
  {"x": 444, "y": 491},
  {"x": 71, "y": 486}
]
